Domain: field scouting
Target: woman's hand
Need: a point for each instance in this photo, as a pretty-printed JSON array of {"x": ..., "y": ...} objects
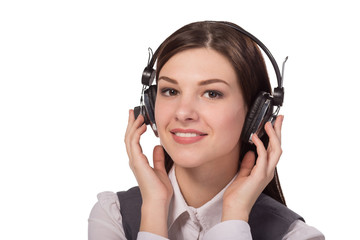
[
  {"x": 155, "y": 186},
  {"x": 252, "y": 179}
]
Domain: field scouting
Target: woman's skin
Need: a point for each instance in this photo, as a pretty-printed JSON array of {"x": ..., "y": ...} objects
[{"x": 199, "y": 114}]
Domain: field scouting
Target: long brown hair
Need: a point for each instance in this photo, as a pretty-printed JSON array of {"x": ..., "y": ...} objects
[{"x": 245, "y": 57}]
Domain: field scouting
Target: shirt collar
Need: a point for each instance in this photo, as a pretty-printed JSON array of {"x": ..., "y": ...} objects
[
  {"x": 207, "y": 215},
  {"x": 178, "y": 205}
]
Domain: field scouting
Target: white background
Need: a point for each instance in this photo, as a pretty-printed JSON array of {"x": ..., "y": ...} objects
[{"x": 70, "y": 70}]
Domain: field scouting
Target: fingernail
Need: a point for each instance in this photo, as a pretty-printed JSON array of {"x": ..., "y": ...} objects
[{"x": 254, "y": 135}]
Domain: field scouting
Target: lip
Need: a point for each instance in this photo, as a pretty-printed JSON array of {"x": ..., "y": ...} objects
[{"x": 187, "y": 136}]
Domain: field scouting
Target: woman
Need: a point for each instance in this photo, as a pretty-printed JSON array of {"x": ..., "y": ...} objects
[{"x": 206, "y": 183}]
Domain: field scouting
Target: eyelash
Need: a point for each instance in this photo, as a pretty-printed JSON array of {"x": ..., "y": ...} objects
[
  {"x": 168, "y": 92},
  {"x": 217, "y": 94}
]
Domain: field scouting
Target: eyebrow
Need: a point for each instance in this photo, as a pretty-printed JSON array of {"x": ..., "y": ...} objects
[
  {"x": 168, "y": 79},
  {"x": 201, "y": 83}
]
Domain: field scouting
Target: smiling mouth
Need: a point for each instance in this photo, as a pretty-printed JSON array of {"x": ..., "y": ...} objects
[
  {"x": 181, "y": 134},
  {"x": 187, "y": 136},
  {"x": 187, "y": 133}
]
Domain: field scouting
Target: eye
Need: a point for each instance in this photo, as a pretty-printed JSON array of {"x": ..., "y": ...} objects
[
  {"x": 168, "y": 92},
  {"x": 212, "y": 94}
]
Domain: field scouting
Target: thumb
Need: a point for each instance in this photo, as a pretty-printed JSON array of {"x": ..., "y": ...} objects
[
  {"x": 247, "y": 164},
  {"x": 159, "y": 158}
]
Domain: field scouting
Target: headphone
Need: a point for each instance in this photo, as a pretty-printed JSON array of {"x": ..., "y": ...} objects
[{"x": 261, "y": 111}]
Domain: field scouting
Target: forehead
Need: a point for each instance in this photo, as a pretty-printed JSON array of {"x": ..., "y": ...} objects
[{"x": 199, "y": 64}]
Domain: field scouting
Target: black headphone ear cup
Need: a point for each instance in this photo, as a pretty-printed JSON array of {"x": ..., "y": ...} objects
[
  {"x": 149, "y": 102},
  {"x": 259, "y": 113},
  {"x": 148, "y": 76},
  {"x": 141, "y": 110}
]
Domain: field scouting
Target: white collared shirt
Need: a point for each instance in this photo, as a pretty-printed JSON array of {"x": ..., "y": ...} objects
[{"x": 184, "y": 222}]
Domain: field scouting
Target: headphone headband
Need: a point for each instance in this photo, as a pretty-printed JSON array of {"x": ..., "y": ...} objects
[
  {"x": 278, "y": 95},
  {"x": 262, "y": 46}
]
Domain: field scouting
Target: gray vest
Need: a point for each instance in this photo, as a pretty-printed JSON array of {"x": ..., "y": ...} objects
[{"x": 268, "y": 219}]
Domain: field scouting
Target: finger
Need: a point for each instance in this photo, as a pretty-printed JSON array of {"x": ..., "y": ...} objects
[
  {"x": 159, "y": 158},
  {"x": 131, "y": 120},
  {"x": 273, "y": 136},
  {"x": 133, "y": 125},
  {"x": 136, "y": 157},
  {"x": 278, "y": 125},
  {"x": 138, "y": 121},
  {"x": 134, "y": 142},
  {"x": 126, "y": 138},
  {"x": 261, "y": 161},
  {"x": 131, "y": 115},
  {"x": 129, "y": 123},
  {"x": 274, "y": 148},
  {"x": 247, "y": 164}
]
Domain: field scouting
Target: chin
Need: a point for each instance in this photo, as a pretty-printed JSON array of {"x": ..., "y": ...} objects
[{"x": 188, "y": 159}]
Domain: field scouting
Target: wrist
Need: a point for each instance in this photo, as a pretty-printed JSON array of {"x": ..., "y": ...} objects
[
  {"x": 154, "y": 218},
  {"x": 149, "y": 207},
  {"x": 235, "y": 212}
]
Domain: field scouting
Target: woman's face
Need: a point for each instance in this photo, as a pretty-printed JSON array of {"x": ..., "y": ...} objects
[{"x": 199, "y": 108}]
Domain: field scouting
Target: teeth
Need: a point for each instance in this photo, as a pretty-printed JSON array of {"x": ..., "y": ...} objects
[{"x": 186, "y": 134}]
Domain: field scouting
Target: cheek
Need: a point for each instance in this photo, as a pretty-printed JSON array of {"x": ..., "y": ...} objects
[
  {"x": 230, "y": 122},
  {"x": 162, "y": 113}
]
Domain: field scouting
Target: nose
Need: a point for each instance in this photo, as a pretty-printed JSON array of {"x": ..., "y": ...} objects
[{"x": 186, "y": 110}]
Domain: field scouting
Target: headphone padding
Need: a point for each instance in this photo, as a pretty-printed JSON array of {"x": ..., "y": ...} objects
[
  {"x": 152, "y": 96},
  {"x": 253, "y": 114},
  {"x": 148, "y": 76},
  {"x": 150, "y": 104}
]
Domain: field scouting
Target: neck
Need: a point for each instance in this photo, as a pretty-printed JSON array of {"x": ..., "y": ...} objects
[{"x": 200, "y": 184}]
